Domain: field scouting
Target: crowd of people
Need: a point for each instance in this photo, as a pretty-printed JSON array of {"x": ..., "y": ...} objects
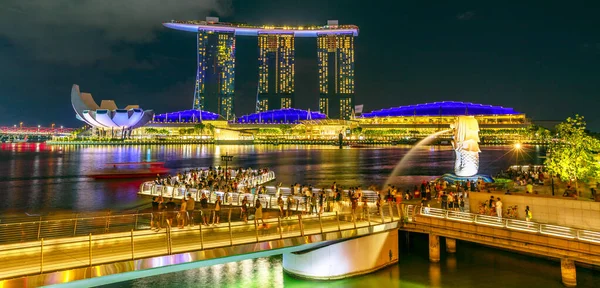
[
  {"x": 216, "y": 179},
  {"x": 306, "y": 199}
]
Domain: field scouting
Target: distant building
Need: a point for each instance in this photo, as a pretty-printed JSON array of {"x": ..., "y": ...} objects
[
  {"x": 335, "y": 53},
  {"x": 107, "y": 116},
  {"x": 276, "y": 66},
  {"x": 275, "y": 71},
  {"x": 215, "y": 76}
]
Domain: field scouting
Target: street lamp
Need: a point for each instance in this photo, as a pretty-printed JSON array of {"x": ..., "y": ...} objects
[
  {"x": 226, "y": 158},
  {"x": 517, "y": 150}
]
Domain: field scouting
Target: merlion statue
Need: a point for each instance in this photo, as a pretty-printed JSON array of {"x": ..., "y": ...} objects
[{"x": 465, "y": 144}]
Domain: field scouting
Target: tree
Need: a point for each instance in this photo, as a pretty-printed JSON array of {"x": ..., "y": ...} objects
[
  {"x": 572, "y": 154},
  {"x": 210, "y": 128},
  {"x": 285, "y": 128},
  {"x": 200, "y": 128}
]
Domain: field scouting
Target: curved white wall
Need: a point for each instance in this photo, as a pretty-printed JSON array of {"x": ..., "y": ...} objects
[{"x": 345, "y": 259}]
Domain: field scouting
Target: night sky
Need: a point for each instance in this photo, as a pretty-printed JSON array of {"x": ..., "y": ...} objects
[{"x": 541, "y": 58}]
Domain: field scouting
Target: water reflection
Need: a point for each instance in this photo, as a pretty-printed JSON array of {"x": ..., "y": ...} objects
[
  {"x": 34, "y": 177},
  {"x": 473, "y": 266}
]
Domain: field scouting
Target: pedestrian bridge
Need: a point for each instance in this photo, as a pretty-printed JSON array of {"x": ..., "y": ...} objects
[
  {"x": 122, "y": 247},
  {"x": 116, "y": 244}
]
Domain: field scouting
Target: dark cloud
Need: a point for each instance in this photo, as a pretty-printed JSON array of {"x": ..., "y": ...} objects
[
  {"x": 82, "y": 32},
  {"x": 465, "y": 16}
]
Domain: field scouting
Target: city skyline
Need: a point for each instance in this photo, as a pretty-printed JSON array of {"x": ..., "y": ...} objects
[
  {"x": 215, "y": 76},
  {"x": 540, "y": 60}
]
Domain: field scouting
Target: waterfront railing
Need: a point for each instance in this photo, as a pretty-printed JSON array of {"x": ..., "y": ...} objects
[
  {"x": 94, "y": 246},
  {"x": 508, "y": 223}
]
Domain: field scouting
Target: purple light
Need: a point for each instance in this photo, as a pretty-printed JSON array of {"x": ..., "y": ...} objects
[
  {"x": 186, "y": 116},
  {"x": 445, "y": 108},
  {"x": 281, "y": 116}
]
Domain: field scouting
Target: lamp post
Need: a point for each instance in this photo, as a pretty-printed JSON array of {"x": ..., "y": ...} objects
[
  {"x": 517, "y": 150},
  {"x": 226, "y": 158}
]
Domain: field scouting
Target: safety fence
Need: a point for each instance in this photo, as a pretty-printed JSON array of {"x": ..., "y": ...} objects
[
  {"x": 508, "y": 223},
  {"x": 126, "y": 243}
]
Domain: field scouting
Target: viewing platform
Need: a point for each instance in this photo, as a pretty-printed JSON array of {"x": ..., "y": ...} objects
[{"x": 87, "y": 248}]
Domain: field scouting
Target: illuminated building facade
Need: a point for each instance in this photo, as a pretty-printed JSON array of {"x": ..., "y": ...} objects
[
  {"x": 336, "y": 74},
  {"x": 215, "y": 77},
  {"x": 275, "y": 71},
  {"x": 276, "y": 68}
]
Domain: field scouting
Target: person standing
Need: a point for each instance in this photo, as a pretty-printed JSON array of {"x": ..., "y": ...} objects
[
  {"x": 182, "y": 214},
  {"x": 217, "y": 216},
  {"x": 444, "y": 201},
  {"x": 205, "y": 212},
  {"x": 313, "y": 203},
  {"x": 171, "y": 210},
  {"x": 155, "y": 222},
  {"x": 354, "y": 201},
  {"x": 321, "y": 199},
  {"x": 258, "y": 213},
  {"x": 461, "y": 203},
  {"x": 245, "y": 209},
  {"x": 191, "y": 205},
  {"x": 528, "y": 215},
  {"x": 280, "y": 204},
  {"x": 499, "y": 208},
  {"x": 289, "y": 201}
]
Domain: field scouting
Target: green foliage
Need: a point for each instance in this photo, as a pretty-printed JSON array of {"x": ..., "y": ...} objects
[
  {"x": 269, "y": 131},
  {"x": 357, "y": 130},
  {"x": 572, "y": 156},
  {"x": 285, "y": 128},
  {"x": 199, "y": 128},
  {"x": 151, "y": 130}
]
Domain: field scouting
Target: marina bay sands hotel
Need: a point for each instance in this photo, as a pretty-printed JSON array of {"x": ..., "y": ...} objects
[{"x": 215, "y": 77}]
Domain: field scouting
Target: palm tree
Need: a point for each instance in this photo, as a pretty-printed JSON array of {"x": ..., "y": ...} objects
[
  {"x": 199, "y": 128},
  {"x": 210, "y": 128}
]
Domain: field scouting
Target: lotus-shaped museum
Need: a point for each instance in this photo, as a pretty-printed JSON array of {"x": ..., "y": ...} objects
[{"x": 107, "y": 115}]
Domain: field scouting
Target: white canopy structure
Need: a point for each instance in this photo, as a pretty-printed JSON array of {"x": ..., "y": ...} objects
[{"x": 107, "y": 115}]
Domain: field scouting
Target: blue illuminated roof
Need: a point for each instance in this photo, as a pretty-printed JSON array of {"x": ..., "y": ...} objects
[
  {"x": 445, "y": 108},
  {"x": 287, "y": 116},
  {"x": 186, "y": 116}
]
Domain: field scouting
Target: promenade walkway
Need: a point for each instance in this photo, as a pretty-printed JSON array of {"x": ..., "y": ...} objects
[
  {"x": 130, "y": 238},
  {"x": 22, "y": 258}
]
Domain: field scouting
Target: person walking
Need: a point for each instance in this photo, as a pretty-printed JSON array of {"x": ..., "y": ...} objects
[{"x": 191, "y": 205}]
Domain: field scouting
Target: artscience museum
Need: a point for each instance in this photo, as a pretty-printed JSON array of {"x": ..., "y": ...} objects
[{"x": 107, "y": 116}]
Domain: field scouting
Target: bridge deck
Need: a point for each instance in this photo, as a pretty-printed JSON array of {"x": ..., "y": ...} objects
[
  {"x": 35, "y": 257},
  {"x": 64, "y": 253}
]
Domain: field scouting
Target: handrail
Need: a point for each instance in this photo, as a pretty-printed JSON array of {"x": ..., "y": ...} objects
[
  {"x": 512, "y": 224},
  {"x": 88, "y": 249}
]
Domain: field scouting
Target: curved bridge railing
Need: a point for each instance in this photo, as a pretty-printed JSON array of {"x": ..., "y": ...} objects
[{"x": 508, "y": 223}]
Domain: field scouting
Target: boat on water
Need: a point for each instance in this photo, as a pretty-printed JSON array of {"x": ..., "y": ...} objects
[
  {"x": 131, "y": 170},
  {"x": 16, "y": 140}
]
